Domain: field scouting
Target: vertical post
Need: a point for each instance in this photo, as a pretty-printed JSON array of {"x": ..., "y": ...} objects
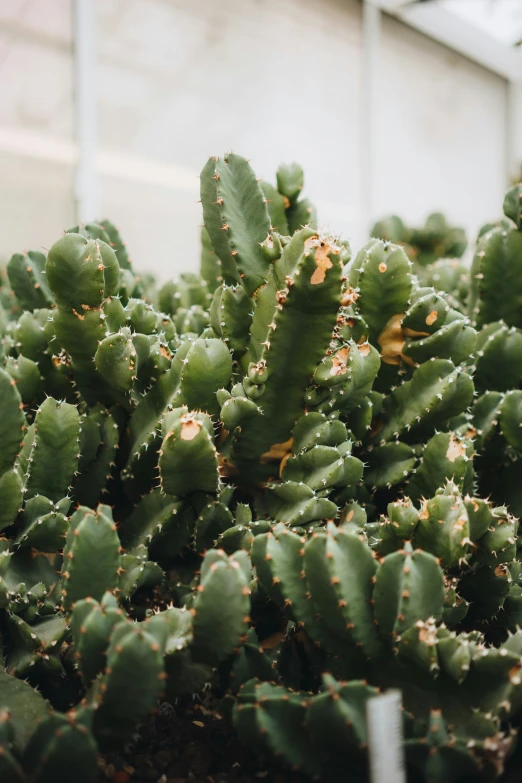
[
  {"x": 514, "y": 130},
  {"x": 385, "y": 739},
  {"x": 371, "y": 27},
  {"x": 86, "y": 184}
]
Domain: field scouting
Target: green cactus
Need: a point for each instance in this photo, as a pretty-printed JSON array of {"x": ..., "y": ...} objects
[
  {"x": 236, "y": 234},
  {"x": 90, "y": 555},
  {"x": 288, "y": 212},
  {"x": 496, "y": 290},
  {"x": 81, "y": 272},
  {"x": 403, "y": 608},
  {"x": 450, "y": 276},
  {"x": 292, "y": 479},
  {"x": 27, "y": 279},
  {"x": 436, "y": 239},
  {"x": 188, "y": 457}
]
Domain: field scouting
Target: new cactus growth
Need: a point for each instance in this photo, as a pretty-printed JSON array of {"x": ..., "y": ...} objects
[{"x": 292, "y": 478}]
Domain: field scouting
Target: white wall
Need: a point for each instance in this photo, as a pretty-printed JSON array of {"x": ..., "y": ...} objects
[
  {"x": 179, "y": 81},
  {"x": 442, "y": 141},
  {"x": 36, "y": 123},
  {"x": 275, "y": 80}
]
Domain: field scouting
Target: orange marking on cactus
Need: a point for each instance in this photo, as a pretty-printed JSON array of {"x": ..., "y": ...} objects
[
  {"x": 339, "y": 362},
  {"x": 391, "y": 340},
  {"x": 190, "y": 427},
  {"x": 277, "y": 451},
  {"x": 349, "y": 297},
  {"x": 455, "y": 449},
  {"x": 323, "y": 249},
  {"x": 164, "y": 351},
  {"x": 514, "y": 674}
]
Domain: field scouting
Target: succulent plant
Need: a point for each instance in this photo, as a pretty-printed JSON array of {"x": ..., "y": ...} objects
[
  {"x": 435, "y": 240},
  {"x": 273, "y": 478}
]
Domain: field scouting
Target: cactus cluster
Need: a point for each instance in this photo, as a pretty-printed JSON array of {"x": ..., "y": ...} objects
[
  {"x": 435, "y": 240},
  {"x": 291, "y": 478}
]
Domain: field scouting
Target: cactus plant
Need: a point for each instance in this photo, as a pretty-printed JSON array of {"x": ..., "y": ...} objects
[
  {"x": 436, "y": 239},
  {"x": 273, "y": 478}
]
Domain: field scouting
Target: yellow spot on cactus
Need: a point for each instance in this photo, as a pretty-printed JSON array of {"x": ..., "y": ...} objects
[
  {"x": 339, "y": 362},
  {"x": 455, "y": 449},
  {"x": 349, "y": 297},
  {"x": 323, "y": 248},
  {"x": 277, "y": 452},
  {"x": 391, "y": 340},
  {"x": 460, "y": 523},
  {"x": 432, "y": 317},
  {"x": 190, "y": 427},
  {"x": 427, "y": 633},
  {"x": 320, "y": 273},
  {"x": 382, "y": 267},
  {"x": 165, "y": 352}
]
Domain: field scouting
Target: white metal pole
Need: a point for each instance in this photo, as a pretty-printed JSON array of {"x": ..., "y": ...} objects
[
  {"x": 86, "y": 181},
  {"x": 385, "y": 738},
  {"x": 371, "y": 24}
]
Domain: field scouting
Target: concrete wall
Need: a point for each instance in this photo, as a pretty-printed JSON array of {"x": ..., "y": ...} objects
[
  {"x": 275, "y": 80},
  {"x": 443, "y": 141},
  {"x": 36, "y": 123}
]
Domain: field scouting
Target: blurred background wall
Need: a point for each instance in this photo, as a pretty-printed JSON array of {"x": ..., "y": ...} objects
[{"x": 275, "y": 80}]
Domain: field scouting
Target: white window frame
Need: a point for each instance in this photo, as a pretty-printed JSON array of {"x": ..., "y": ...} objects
[{"x": 440, "y": 24}]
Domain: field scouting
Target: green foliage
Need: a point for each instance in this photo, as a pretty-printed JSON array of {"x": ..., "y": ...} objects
[
  {"x": 436, "y": 239},
  {"x": 293, "y": 478}
]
